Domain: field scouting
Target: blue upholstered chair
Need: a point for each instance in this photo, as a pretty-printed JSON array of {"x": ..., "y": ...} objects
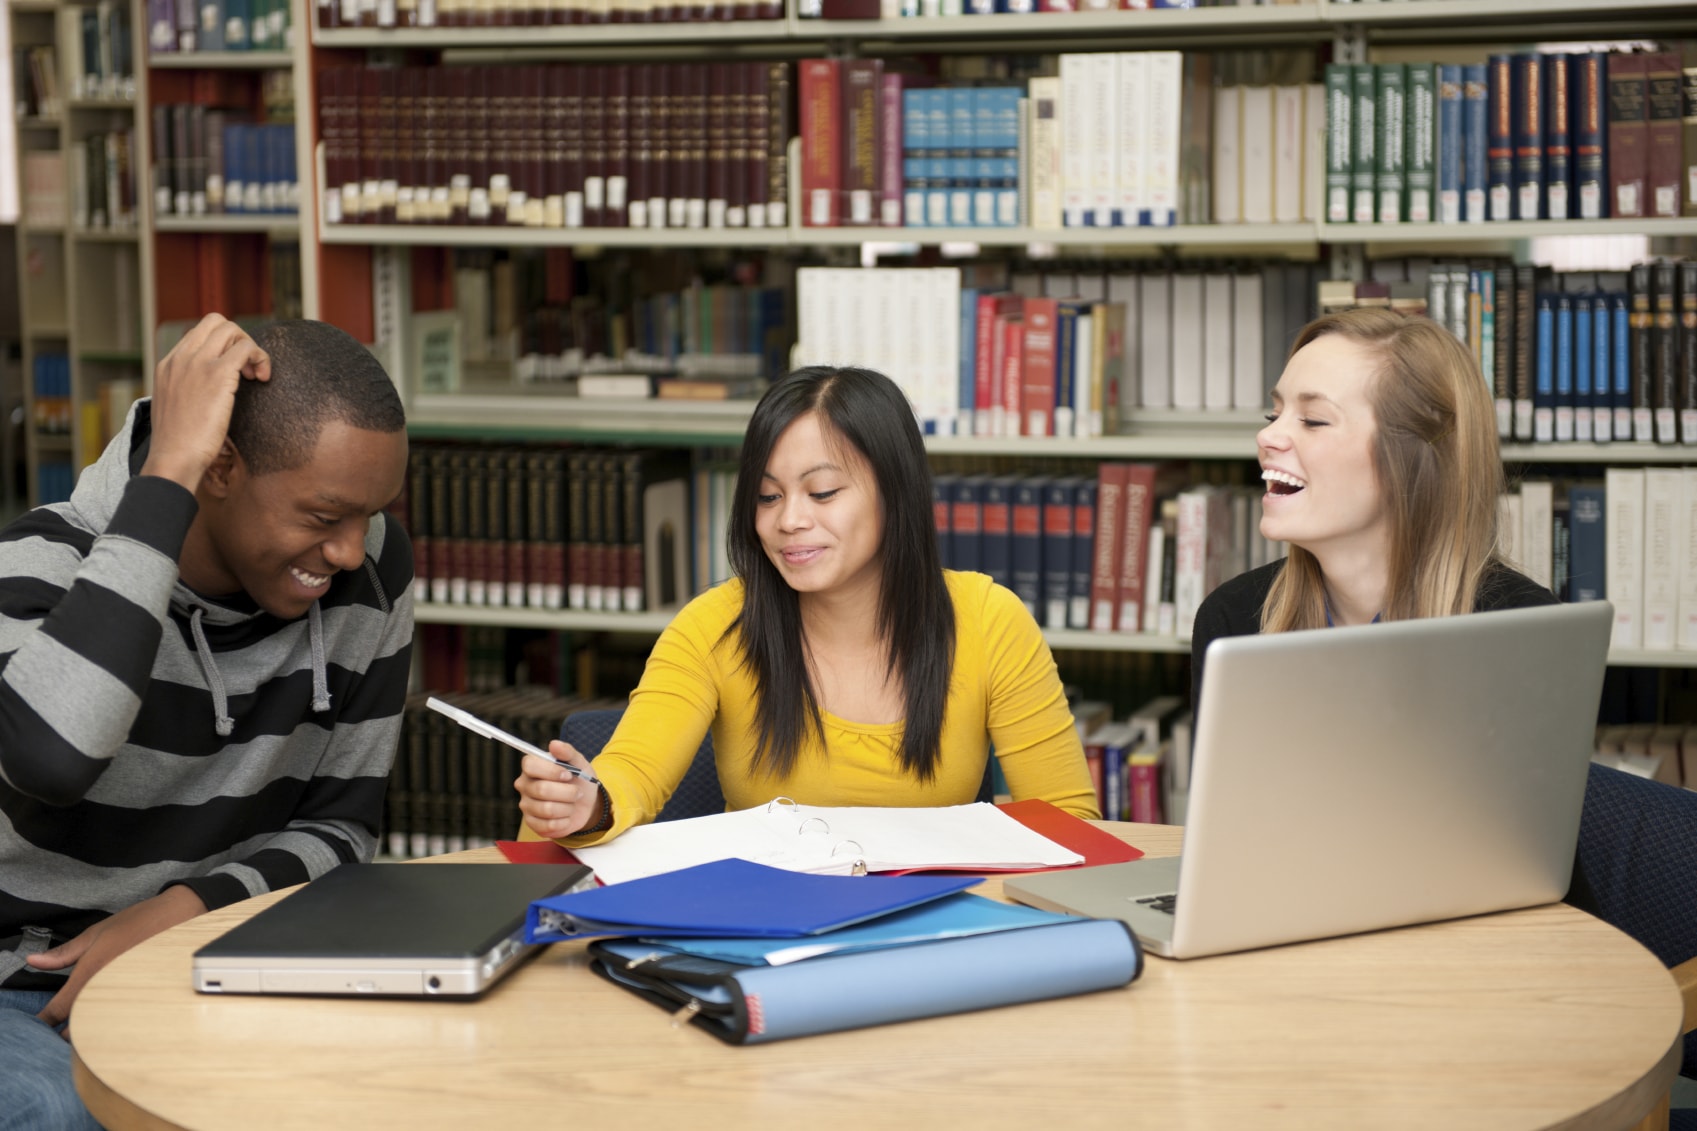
[
  {"x": 1637, "y": 870},
  {"x": 697, "y": 795}
]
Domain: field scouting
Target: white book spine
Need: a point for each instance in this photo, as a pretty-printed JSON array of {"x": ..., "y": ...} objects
[
  {"x": 1103, "y": 92},
  {"x": 1259, "y": 123},
  {"x": 1228, "y": 155},
  {"x": 1188, "y": 329},
  {"x": 1217, "y": 370},
  {"x": 1131, "y": 146},
  {"x": 1248, "y": 342},
  {"x": 1076, "y": 128},
  {"x": 1623, "y": 527},
  {"x": 1166, "y": 81},
  {"x": 1191, "y": 558},
  {"x": 1313, "y": 152},
  {"x": 1688, "y": 564},
  {"x": 1537, "y": 500},
  {"x": 1664, "y": 538},
  {"x": 1045, "y": 153},
  {"x": 945, "y": 346},
  {"x": 1124, "y": 290},
  {"x": 1155, "y": 338},
  {"x": 1508, "y": 530},
  {"x": 1289, "y": 130},
  {"x": 1153, "y": 579}
]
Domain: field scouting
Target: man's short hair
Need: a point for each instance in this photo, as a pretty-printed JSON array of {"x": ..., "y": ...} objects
[{"x": 319, "y": 373}]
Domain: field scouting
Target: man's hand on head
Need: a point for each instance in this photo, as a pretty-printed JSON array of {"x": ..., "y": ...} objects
[
  {"x": 109, "y": 938},
  {"x": 194, "y": 391}
]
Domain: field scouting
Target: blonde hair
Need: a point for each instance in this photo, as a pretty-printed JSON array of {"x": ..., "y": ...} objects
[{"x": 1439, "y": 469}]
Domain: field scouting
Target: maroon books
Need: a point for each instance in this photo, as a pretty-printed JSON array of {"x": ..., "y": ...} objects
[{"x": 1629, "y": 134}]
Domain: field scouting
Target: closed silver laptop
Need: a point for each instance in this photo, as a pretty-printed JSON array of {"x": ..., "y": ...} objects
[{"x": 1350, "y": 779}]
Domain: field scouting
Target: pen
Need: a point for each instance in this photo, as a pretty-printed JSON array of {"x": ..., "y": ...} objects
[{"x": 477, "y": 726}]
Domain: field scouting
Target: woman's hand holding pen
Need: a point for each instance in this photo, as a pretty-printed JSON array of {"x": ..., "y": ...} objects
[{"x": 555, "y": 803}]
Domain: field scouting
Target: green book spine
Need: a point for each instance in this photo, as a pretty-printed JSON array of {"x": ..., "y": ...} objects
[
  {"x": 1364, "y": 156},
  {"x": 1388, "y": 119},
  {"x": 1340, "y": 104},
  {"x": 1420, "y": 135}
]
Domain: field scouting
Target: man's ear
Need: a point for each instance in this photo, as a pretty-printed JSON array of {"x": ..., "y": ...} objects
[{"x": 223, "y": 470}]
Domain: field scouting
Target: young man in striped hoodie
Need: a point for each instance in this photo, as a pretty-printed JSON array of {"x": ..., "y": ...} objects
[{"x": 203, "y": 659}]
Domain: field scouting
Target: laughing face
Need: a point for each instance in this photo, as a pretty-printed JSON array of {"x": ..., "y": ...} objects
[
  {"x": 819, "y": 517},
  {"x": 1316, "y": 454},
  {"x": 280, "y": 537}
]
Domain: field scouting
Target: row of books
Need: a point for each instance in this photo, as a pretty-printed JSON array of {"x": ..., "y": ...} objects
[
  {"x": 1626, "y": 539},
  {"x": 450, "y": 14},
  {"x": 549, "y": 527},
  {"x": 1140, "y": 764},
  {"x": 913, "y": 9},
  {"x": 208, "y": 162},
  {"x": 1662, "y": 752},
  {"x": 1570, "y": 356},
  {"x": 218, "y": 25},
  {"x": 451, "y": 789},
  {"x": 35, "y": 82},
  {"x": 1102, "y": 553},
  {"x": 665, "y": 145},
  {"x": 42, "y": 199},
  {"x": 1068, "y": 360},
  {"x": 51, "y": 403},
  {"x": 1529, "y": 136},
  {"x": 103, "y": 180},
  {"x": 95, "y": 58}
]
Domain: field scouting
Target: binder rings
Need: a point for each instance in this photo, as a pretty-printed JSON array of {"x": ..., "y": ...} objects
[
  {"x": 735, "y": 898},
  {"x": 748, "y": 1005}
]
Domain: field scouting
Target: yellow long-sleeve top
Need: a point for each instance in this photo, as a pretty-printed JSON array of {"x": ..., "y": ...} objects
[{"x": 1003, "y": 690}]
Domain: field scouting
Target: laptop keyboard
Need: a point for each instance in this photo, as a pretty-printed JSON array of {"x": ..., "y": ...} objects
[{"x": 1160, "y": 902}]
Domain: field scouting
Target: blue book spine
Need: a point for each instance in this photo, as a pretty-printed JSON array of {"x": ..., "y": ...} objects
[
  {"x": 1066, "y": 362},
  {"x": 1529, "y": 114},
  {"x": 984, "y": 166},
  {"x": 1564, "y": 367},
  {"x": 1057, "y": 550},
  {"x": 1588, "y": 552},
  {"x": 966, "y": 518},
  {"x": 1027, "y": 540},
  {"x": 1475, "y": 105},
  {"x": 942, "y": 506},
  {"x": 963, "y": 134},
  {"x": 1499, "y": 144},
  {"x": 238, "y": 16},
  {"x": 235, "y": 168},
  {"x": 212, "y": 23},
  {"x": 1450, "y": 148},
  {"x": 1004, "y": 119},
  {"x": 941, "y": 106},
  {"x": 1588, "y": 130},
  {"x": 1602, "y": 396},
  {"x": 1558, "y": 137},
  {"x": 1544, "y": 369},
  {"x": 966, "y": 388},
  {"x": 1582, "y": 357},
  {"x": 1620, "y": 338},
  {"x": 1083, "y": 553},
  {"x": 996, "y": 531},
  {"x": 916, "y": 155}
]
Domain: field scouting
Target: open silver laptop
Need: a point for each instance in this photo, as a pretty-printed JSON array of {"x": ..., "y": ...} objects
[
  {"x": 1349, "y": 779},
  {"x": 387, "y": 930}
]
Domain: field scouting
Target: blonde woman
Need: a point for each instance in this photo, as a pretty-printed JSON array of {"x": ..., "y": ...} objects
[{"x": 1382, "y": 473}]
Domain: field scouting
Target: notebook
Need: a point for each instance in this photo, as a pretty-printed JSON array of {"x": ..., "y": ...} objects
[
  {"x": 387, "y": 930},
  {"x": 1350, "y": 779}
]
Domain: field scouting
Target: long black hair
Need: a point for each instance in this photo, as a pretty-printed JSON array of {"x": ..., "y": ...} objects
[{"x": 916, "y": 619}]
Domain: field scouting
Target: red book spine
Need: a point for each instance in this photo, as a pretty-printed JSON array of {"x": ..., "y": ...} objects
[
  {"x": 863, "y": 114},
  {"x": 1105, "y": 562},
  {"x": 593, "y": 86},
  {"x": 680, "y": 145},
  {"x": 753, "y": 179},
  {"x": 821, "y": 143},
  {"x": 640, "y": 124},
  {"x": 1629, "y": 134},
  {"x": 561, "y": 141},
  {"x": 663, "y": 86},
  {"x": 724, "y": 139},
  {"x": 616, "y": 144},
  {"x": 779, "y": 129},
  {"x": 480, "y": 126},
  {"x": 1140, "y": 514},
  {"x": 538, "y": 146},
  {"x": 1037, "y": 390},
  {"x": 1665, "y": 109},
  {"x": 1013, "y": 373},
  {"x": 514, "y": 490},
  {"x": 457, "y": 148},
  {"x": 371, "y": 143},
  {"x": 701, "y": 83},
  {"x": 890, "y": 151}
]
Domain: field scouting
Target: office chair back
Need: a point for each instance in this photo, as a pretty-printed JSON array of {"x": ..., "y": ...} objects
[
  {"x": 698, "y": 795},
  {"x": 1637, "y": 869}
]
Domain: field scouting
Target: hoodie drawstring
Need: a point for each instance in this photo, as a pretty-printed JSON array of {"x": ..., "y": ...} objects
[{"x": 221, "y": 720}]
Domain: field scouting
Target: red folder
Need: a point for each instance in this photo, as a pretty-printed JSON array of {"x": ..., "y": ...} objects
[
  {"x": 1097, "y": 846},
  {"x": 535, "y": 852}
]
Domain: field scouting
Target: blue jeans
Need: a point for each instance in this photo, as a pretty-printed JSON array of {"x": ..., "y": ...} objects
[{"x": 36, "y": 1092}]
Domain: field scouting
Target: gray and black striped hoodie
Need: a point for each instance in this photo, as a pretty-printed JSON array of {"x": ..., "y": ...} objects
[{"x": 150, "y": 736}]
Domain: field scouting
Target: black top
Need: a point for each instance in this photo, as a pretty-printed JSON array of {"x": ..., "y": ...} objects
[{"x": 1234, "y": 609}]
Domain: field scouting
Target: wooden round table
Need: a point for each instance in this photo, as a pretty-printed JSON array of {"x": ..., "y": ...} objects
[{"x": 1537, "y": 1018}]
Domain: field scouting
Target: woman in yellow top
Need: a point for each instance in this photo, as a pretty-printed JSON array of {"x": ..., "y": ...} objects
[{"x": 843, "y": 665}]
